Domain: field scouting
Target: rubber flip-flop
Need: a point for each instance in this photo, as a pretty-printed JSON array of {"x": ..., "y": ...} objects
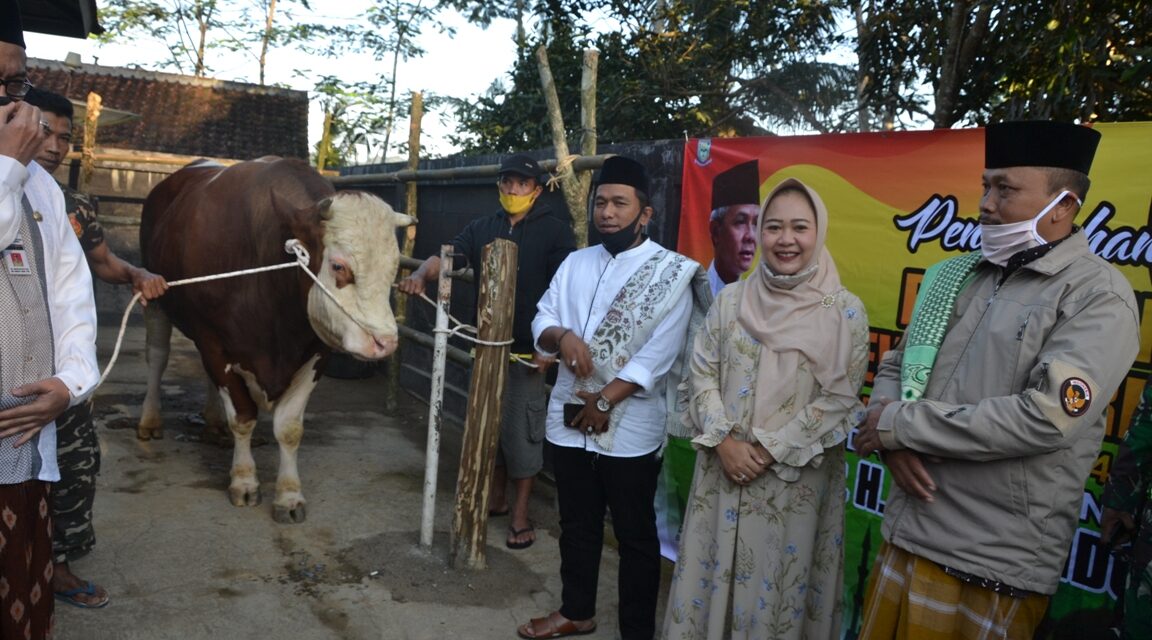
[
  {"x": 89, "y": 589},
  {"x": 516, "y": 533}
]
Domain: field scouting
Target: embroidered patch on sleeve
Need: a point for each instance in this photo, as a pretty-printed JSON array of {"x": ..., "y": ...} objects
[{"x": 1075, "y": 396}]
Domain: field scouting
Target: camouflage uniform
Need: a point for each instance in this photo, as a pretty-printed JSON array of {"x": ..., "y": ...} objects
[
  {"x": 1129, "y": 489},
  {"x": 77, "y": 449}
]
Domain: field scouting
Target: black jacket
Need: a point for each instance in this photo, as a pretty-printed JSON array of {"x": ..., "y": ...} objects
[{"x": 544, "y": 240}]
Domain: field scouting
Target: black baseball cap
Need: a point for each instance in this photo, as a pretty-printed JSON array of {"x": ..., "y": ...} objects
[{"x": 521, "y": 165}]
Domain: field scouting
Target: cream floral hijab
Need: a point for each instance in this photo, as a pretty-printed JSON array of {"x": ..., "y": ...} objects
[{"x": 798, "y": 313}]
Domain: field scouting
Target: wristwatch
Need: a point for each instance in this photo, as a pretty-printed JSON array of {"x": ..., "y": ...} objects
[{"x": 602, "y": 404}]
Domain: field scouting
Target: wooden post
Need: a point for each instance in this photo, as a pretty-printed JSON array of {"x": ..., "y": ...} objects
[
  {"x": 436, "y": 397},
  {"x": 325, "y": 142},
  {"x": 497, "y": 283},
  {"x": 577, "y": 201},
  {"x": 392, "y": 388},
  {"x": 88, "y": 150},
  {"x": 587, "y": 137},
  {"x": 413, "y": 164}
]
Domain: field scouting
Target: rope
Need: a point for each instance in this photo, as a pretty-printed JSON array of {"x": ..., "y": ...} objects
[
  {"x": 563, "y": 166},
  {"x": 294, "y": 247},
  {"x": 461, "y": 327}
]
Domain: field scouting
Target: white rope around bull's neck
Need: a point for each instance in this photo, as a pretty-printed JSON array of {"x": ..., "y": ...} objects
[
  {"x": 294, "y": 247},
  {"x": 291, "y": 246}
]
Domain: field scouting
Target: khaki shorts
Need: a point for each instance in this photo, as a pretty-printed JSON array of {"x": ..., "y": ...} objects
[{"x": 522, "y": 422}]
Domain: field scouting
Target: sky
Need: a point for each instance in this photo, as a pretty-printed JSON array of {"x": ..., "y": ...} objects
[{"x": 462, "y": 65}]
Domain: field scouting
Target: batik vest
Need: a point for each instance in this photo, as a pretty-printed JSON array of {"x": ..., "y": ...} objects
[{"x": 27, "y": 352}]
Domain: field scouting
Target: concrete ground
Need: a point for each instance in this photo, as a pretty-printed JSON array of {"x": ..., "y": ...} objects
[{"x": 180, "y": 562}]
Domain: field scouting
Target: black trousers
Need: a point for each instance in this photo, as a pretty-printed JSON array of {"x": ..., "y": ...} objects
[{"x": 586, "y": 484}]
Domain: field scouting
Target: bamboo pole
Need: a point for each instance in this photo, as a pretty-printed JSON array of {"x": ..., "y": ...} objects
[
  {"x": 436, "y": 397},
  {"x": 417, "y": 111},
  {"x": 485, "y": 393},
  {"x": 580, "y": 163},
  {"x": 588, "y": 136},
  {"x": 325, "y": 142},
  {"x": 577, "y": 202},
  {"x": 392, "y": 386},
  {"x": 88, "y": 151}
]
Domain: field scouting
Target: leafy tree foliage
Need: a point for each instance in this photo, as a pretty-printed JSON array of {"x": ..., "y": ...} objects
[
  {"x": 182, "y": 25},
  {"x": 991, "y": 60},
  {"x": 671, "y": 68},
  {"x": 362, "y": 114},
  {"x": 738, "y": 67}
]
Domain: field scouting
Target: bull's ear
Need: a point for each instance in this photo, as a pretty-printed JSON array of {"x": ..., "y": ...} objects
[
  {"x": 325, "y": 208},
  {"x": 402, "y": 220}
]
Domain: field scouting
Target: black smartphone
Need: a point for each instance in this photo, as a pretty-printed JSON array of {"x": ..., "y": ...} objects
[{"x": 570, "y": 411}]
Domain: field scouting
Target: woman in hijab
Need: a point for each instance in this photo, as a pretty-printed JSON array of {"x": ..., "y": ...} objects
[{"x": 775, "y": 374}]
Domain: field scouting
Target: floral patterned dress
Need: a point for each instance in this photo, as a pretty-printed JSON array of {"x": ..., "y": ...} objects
[{"x": 764, "y": 561}]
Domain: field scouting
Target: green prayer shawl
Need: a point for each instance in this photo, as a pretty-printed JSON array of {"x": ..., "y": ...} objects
[{"x": 942, "y": 283}]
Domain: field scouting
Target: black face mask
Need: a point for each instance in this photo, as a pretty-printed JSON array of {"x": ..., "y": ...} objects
[{"x": 621, "y": 240}]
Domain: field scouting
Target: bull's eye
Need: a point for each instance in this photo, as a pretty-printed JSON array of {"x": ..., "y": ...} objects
[{"x": 341, "y": 274}]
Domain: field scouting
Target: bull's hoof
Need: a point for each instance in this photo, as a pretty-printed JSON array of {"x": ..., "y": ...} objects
[
  {"x": 289, "y": 515},
  {"x": 148, "y": 432},
  {"x": 244, "y": 496}
]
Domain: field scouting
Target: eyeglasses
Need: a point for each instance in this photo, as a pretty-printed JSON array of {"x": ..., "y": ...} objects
[{"x": 16, "y": 88}]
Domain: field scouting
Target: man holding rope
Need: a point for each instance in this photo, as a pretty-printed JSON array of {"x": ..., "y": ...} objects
[
  {"x": 544, "y": 240},
  {"x": 77, "y": 448}
]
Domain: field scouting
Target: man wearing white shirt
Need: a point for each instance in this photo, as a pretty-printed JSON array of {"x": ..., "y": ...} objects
[
  {"x": 47, "y": 343},
  {"x": 616, "y": 314}
]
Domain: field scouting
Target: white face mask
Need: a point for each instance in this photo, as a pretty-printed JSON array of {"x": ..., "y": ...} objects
[{"x": 999, "y": 242}]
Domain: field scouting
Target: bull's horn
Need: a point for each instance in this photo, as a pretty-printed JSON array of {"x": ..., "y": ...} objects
[
  {"x": 325, "y": 208},
  {"x": 402, "y": 220}
]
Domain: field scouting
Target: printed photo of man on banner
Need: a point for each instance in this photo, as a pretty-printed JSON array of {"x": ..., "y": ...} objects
[{"x": 898, "y": 203}]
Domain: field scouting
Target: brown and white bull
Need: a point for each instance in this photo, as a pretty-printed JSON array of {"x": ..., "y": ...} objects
[{"x": 264, "y": 337}]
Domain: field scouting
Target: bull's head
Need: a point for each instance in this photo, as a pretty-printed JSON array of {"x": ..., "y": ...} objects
[{"x": 358, "y": 267}]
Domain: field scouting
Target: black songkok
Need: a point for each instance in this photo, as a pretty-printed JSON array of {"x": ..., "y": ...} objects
[
  {"x": 736, "y": 186},
  {"x": 11, "y": 28},
  {"x": 621, "y": 170},
  {"x": 1040, "y": 143}
]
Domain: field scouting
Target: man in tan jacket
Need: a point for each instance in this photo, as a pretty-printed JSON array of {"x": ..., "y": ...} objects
[{"x": 991, "y": 411}]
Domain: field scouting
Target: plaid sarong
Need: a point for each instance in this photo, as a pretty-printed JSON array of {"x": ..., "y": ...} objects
[{"x": 912, "y": 598}]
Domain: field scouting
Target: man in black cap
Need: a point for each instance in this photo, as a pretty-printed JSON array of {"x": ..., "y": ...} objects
[
  {"x": 990, "y": 413},
  {"x": 544, "y": 240},
  {"x": 732, "y": 223},
  {"x": 48, "y": 342},
  {"x": 617, "y": 315}
]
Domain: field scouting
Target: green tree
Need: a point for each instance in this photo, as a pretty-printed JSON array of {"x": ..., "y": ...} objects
[
  {"x": 190, "y": 29},
  {"x": 670, "y": 68},
  {"x": 368, "y": 111},
  {"x": 970, "y": 62},
  {"x": 183, "y": 26}
]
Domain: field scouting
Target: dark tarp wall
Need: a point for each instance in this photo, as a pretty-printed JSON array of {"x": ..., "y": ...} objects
[{"x": 445, "y": 207}]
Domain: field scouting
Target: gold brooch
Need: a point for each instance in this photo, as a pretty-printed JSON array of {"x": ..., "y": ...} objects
[
  {"x": 36, "y": 216},
  {"x": 828, "y": 301}
]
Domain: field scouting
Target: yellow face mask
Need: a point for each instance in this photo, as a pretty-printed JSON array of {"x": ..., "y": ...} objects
[{"x": 517, "y": 205}]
